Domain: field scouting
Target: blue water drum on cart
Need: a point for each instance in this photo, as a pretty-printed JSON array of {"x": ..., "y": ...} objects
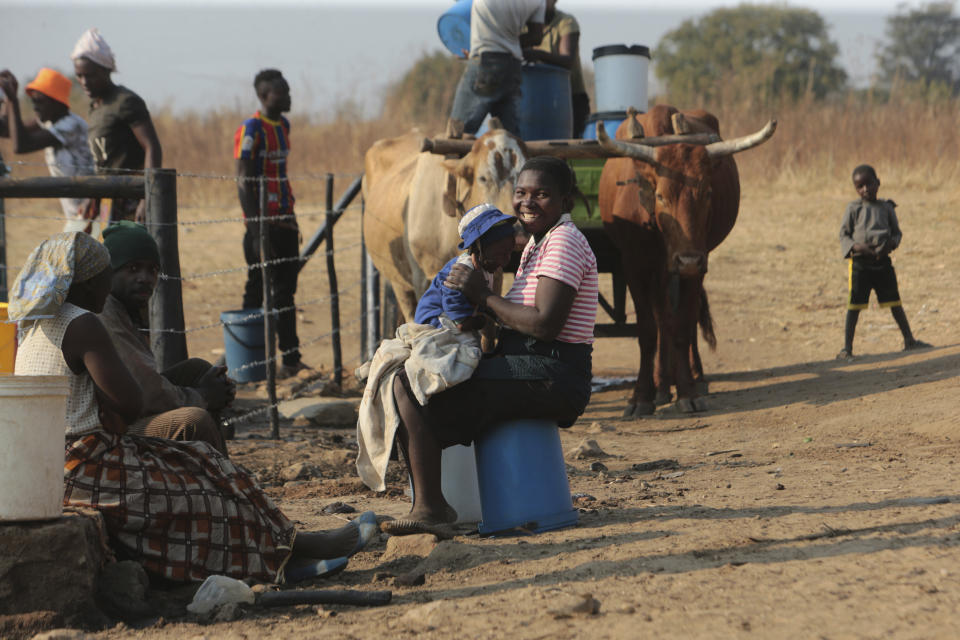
[
  {"x": 611, "y": 120},
  {"x": 523, "y": 478},
  {"x": 243, "y": 344},
  {"x": 454, "y": 27},
  {"x": 545, "y": 110}
]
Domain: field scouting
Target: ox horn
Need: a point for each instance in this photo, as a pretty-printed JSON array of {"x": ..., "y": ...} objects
[
  {"x": 634, "y": 150},
  {"x": 730, "y": 147}
]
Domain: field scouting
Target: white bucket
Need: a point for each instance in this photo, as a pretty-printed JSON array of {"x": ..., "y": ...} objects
[
  {"x": 458, "y": 481},
  {"x": 620, "y": 77},
  {"x": 32, "y": 425}
]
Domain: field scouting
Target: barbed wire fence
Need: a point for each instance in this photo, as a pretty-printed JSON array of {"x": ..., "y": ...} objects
[{"x": 194, "y": 223}]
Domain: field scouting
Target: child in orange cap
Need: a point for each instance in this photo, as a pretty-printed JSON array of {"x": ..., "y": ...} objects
[{"x": 61, "y": 134}]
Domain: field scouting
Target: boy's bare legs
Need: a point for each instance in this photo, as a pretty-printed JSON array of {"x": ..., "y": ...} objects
[
  {"x": 909, "y": 342},
  {"x": 849, "y": 329},
  {"x": 422, "y": 452}
]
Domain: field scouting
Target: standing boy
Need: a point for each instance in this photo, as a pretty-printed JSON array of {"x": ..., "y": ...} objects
[
  {"x": 868, "y": 234},
  {"x": 60, "y": 133},
  {"x": 261, "y": 147}
]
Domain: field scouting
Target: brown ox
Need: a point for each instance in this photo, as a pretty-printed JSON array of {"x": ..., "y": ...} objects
[
  {"x": 666, "y": 208},
  {"x": 414, "y": 200}
]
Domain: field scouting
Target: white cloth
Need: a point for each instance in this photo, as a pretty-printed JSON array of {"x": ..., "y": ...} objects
[
  {"x": 495, "y": 25},
  {"x": 40, "y": 353},
  {"x": 71, "y": 158},
  {"x": 94, "y": 48},
  {"x": 434, "y": 359}
]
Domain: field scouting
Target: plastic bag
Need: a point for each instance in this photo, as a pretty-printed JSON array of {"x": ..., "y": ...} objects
[{"x": 218, "y": 590}]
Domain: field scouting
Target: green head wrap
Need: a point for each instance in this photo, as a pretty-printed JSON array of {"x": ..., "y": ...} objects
[{"x": 128, "y": 241}]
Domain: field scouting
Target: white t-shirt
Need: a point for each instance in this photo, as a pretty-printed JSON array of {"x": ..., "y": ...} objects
[
  {"x": 495, "y": 25},
  {"x": 71, "y": 158}
]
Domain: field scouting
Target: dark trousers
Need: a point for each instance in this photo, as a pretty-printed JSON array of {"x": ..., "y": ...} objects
[{"x": 283, "y": 243}]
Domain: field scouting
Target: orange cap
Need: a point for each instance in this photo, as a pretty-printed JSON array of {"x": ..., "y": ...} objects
[{"x": 52, "y": 84}]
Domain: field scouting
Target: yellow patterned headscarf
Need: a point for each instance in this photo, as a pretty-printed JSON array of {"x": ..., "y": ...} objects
[{"x": 44, "y": 281}]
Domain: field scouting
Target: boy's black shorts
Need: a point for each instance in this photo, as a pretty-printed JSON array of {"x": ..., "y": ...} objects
[{"x": 868, "y": 274}]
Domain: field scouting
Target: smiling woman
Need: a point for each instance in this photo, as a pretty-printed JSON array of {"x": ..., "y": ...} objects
[{"x": 542, "y": 365}]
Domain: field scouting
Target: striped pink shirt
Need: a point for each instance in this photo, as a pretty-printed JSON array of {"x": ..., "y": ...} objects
[{"x": 565, "y": 255}]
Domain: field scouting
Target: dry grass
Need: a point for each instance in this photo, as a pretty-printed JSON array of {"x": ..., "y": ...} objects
[{"x": 913, "y": 145}]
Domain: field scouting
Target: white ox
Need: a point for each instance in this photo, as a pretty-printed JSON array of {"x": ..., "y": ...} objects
[{"x": 414, "y": 200}]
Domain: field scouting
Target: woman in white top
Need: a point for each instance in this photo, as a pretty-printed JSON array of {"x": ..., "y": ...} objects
[{"x": 182, "y": 509}]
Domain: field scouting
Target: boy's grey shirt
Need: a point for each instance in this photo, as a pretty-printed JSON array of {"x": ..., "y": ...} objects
[{"x": 871, "y": 223}]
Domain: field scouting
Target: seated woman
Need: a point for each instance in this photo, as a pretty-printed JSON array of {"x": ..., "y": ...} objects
[
  {"x": 181, "y": 509},
  {"x": 542, "y": 365}
]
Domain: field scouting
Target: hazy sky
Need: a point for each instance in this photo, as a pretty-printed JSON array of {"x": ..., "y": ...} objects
[{"x": 204, "y": 55}]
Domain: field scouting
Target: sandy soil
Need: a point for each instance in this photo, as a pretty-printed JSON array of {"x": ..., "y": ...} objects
[{"x": 814, "y": 499}]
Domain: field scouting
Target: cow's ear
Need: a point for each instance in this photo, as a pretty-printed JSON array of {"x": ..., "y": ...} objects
[{"x": 459, "y": 168}]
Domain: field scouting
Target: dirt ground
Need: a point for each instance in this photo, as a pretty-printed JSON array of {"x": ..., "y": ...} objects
[{"x": 814, "y": 499}]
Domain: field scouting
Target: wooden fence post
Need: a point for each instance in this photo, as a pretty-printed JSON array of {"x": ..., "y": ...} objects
[{"x": 166, "y": 306}]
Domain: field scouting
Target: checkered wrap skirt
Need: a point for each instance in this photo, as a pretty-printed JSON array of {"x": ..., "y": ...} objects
[{"x": 180, "y": 508}]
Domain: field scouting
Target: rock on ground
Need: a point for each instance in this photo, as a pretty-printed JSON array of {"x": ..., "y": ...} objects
[
  {"x": 52, "y": 566},
  {"x": 420, "y": 545},
  {"x": 321, "y": 411}
]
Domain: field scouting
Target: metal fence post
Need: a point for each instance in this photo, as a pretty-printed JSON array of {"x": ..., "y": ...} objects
[
  {"x": 268, "y": 314},
  {"x": 167, "y": 338},
  {"x": 334, "y": 292},
  {"x": 370, "y": 298}
]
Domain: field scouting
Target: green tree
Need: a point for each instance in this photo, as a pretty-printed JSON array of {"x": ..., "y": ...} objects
[
  {"x": 761, "y": 52},
  {"x": 424, "y": 95},
  {"x": 923, "y": 48}
]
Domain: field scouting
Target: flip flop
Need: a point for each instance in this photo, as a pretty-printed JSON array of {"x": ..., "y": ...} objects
[
  {"x": 405, "y": 527},
  {"x": 366, "y": 523},
  {"x": 318, "y": 569}
]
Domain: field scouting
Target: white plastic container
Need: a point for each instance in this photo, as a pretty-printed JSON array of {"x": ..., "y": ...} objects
[
  {"x": 620, "y": 77},
  {"x": 32, "y": 422},
  {"x": 458, "y": 481}
]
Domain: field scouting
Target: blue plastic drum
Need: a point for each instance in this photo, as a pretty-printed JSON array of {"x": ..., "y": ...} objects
[
  {"x": 454, "y": 27},
  {"x": 243, "y": 344},
  {"x": 611, "y": 120},
  {"x": 523, "y": 478},
  {"x": 546, "y": 107}
]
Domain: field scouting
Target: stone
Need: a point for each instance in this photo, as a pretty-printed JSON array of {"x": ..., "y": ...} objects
[
  {"x": 228, "y": 612},
  {"x": 61, "y": 634},
  {"x": 566, "y": 606},
  {"x": 598, "y": 467},
  {"x": 26, "y": 625},
  {"x": 122, "y": 588},
  {"x": 337, "y": 412},
  {"x": 412, "y": 579},
  {"x": 302, "y": 421},
  {"x": 587, "y": 449},
  {"x": 298, "y": 471},
  {"x": 53, "y": 566},
  {"x": 339, "y": 507},
  {"x": 419, "y": 545}
]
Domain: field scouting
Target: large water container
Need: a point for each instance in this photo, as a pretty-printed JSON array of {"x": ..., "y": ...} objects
[
  {"x": 31, "y": 446},
  {"x": 546, "y": 107},
  {"x": 454, "y": 27},
  {"x": 620, "y": 76},
  {"x": 244, "y": 344},
  {"x": 545, "y": 111}
]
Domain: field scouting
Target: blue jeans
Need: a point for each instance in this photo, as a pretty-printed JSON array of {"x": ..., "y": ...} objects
[{"x": 489, "y": 84}]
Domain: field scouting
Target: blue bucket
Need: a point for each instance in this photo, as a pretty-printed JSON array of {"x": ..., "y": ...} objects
[
  {"x": 454, "y": 27},
  {"x": 523, "y": 478},
  {"x": 243, "y": 343},
  {"x": 611, "y": 120}
]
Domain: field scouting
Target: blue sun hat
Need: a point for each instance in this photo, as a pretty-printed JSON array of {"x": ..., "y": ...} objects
[{"x": 480, "y": 222}]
